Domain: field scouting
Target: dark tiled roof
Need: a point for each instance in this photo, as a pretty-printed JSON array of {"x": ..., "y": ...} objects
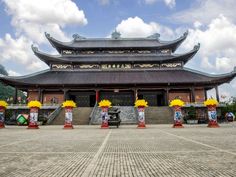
[
  {"x": 116, "y": 58},
  {"x": 154, "y": 77},
  {"x": 99, "y": 43}
]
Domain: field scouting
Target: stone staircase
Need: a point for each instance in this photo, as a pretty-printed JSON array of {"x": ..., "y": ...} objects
[
  {"x": 80, "y": 116},
  {"x": 159, "y": 115}
]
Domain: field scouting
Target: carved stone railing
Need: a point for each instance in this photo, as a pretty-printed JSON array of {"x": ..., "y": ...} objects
[
  {"x": 53, "y": 115},
  {"x": 128, "y": 115},
  {"x": 91, "y": 116},
  {"x": 200, "y": 104},
  {"x": 24, "y": 106}
]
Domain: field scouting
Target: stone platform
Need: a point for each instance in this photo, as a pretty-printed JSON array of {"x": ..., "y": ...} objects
[{"x": 87, "y": 151}]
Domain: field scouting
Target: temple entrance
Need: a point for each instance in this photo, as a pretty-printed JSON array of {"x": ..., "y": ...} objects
[
  {"x": 154, "y": 98},
  {"x": 83, "y": 99},
  {"x": 118, "y": 98}
]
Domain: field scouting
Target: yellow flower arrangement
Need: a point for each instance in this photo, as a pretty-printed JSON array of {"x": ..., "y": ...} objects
[
  {"x": 176, "y": 102},
  {"x": 69, "y": 103},
  {"x": 3, "y": 104},
  {"x": 104, "y": 103},
  {"x": 141, "y": 103},
  {"x": 34, "y": 104},
  {"x": 211, "y": 102}
]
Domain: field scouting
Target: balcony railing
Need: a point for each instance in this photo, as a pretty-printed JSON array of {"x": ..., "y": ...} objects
[{"x": 24, "y": 106}]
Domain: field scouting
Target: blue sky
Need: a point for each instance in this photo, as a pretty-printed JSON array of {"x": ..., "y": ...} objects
[{"x": 209, "y": 22}]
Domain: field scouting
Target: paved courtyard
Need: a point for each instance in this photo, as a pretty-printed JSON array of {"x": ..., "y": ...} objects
[{"x": 90, "y": 151}]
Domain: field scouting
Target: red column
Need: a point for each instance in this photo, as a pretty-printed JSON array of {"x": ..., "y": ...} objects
[
  {"x": 33, "y": 118},
  {"x": 177, "y": 117},
  {"x": 2, "y": 117},
  {"x": 68, "y": 118},
  {"x": 97, "y": 96},
  {"x": 104, "y": 115}
]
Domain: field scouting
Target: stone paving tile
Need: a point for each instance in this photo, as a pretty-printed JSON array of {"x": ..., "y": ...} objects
[{"x": 158, "y": 150}]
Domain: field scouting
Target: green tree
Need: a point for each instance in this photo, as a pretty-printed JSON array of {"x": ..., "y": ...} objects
[
  {"x": 230, "y": 106},
  {"x": 7, "y": 92}
]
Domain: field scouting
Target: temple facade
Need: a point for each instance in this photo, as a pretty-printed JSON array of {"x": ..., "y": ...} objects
[{"x": 87, "y": 70}]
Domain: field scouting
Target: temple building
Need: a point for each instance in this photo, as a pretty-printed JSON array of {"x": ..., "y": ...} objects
[{"x": 119, "y": 69}]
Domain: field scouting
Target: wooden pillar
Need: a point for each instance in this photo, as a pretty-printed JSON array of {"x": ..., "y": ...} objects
[
  {"x": 97, "y": 95},
  {"x": 217, "y": 93},
  {"x": 192, "y": 94},
  {"x": 135, "y": 94},
  {"x": 15, "y": 96},
  {"x": 65, "y": 91},
  {"x": 167, "y": 97},
  {"x": 205, "y": 94},
  {"x": 40, "y": 95}
]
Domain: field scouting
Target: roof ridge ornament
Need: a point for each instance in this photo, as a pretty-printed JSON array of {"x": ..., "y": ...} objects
[
  {"x": 196, "y": 47},
  {"x": 154, "y": 36},
  {"x": 78, "y": 37},
  {"x": 115, "y": 35},
  {"x": 34, "y": 48},
  {"x": 185, "y": 33}
]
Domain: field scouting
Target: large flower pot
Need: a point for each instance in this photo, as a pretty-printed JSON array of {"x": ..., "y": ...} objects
[
  {"x": 141, "y": 117},
  {"x": 212, "y": 116},
  {"x": 33, "y": 119},
  {"x": 68, "y": 117},
  {"x": 2, "y": 116},
  {"x": 177, "y": 117},
  {"x": 104, "y": 115}
]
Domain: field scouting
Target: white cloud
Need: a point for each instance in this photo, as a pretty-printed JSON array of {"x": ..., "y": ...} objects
[
  {"x": 12, "y": 73},
  {"x": 18, "y": 51},
  {"x": 33, "y": 18},
  {"x": 169, "y": 3},
  {"x": 30, "y": 20},
  {"x": 218, "y": 43},
  {"x": 136, "y": 27},
  {"x": 206, "y": 10}
]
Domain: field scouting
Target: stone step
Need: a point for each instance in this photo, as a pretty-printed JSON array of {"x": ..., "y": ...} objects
[
  {"x": 80, "y": 116},
  {"x": 159, "y": 115}
]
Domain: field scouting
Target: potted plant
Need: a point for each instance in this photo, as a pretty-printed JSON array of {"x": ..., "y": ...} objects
[{"x": 191, "y": 117}]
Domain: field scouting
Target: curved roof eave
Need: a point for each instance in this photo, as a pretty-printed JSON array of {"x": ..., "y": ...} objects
[
  {"x": 58, "y": 45},
  {"x": 52, "y": 59}
]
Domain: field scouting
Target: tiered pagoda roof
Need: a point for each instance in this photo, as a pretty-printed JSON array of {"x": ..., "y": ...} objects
[{"x": 117, "y": 61}]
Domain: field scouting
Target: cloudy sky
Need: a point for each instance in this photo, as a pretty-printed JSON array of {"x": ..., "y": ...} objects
[{"x": 212, "y": 23}]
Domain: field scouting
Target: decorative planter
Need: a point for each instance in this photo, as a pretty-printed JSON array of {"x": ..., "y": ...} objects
[
  {"x": 212, "y": 114},
  {"x": 34, "y": 112},
  {"x": 176, "y": 104},
  {"x": 141, "y": 105},
  {"x": 3, "y": 107},
  {"x": 68, "y": 105},
  {"x": 2, "y": 117},
  {"x": 192, "y": 121},
  {"x": 104, "y": 105},
  {"x": 105, "y": 117},
  {"x": 141, "y": 117},
  {"x": 33, "y": 119}
]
